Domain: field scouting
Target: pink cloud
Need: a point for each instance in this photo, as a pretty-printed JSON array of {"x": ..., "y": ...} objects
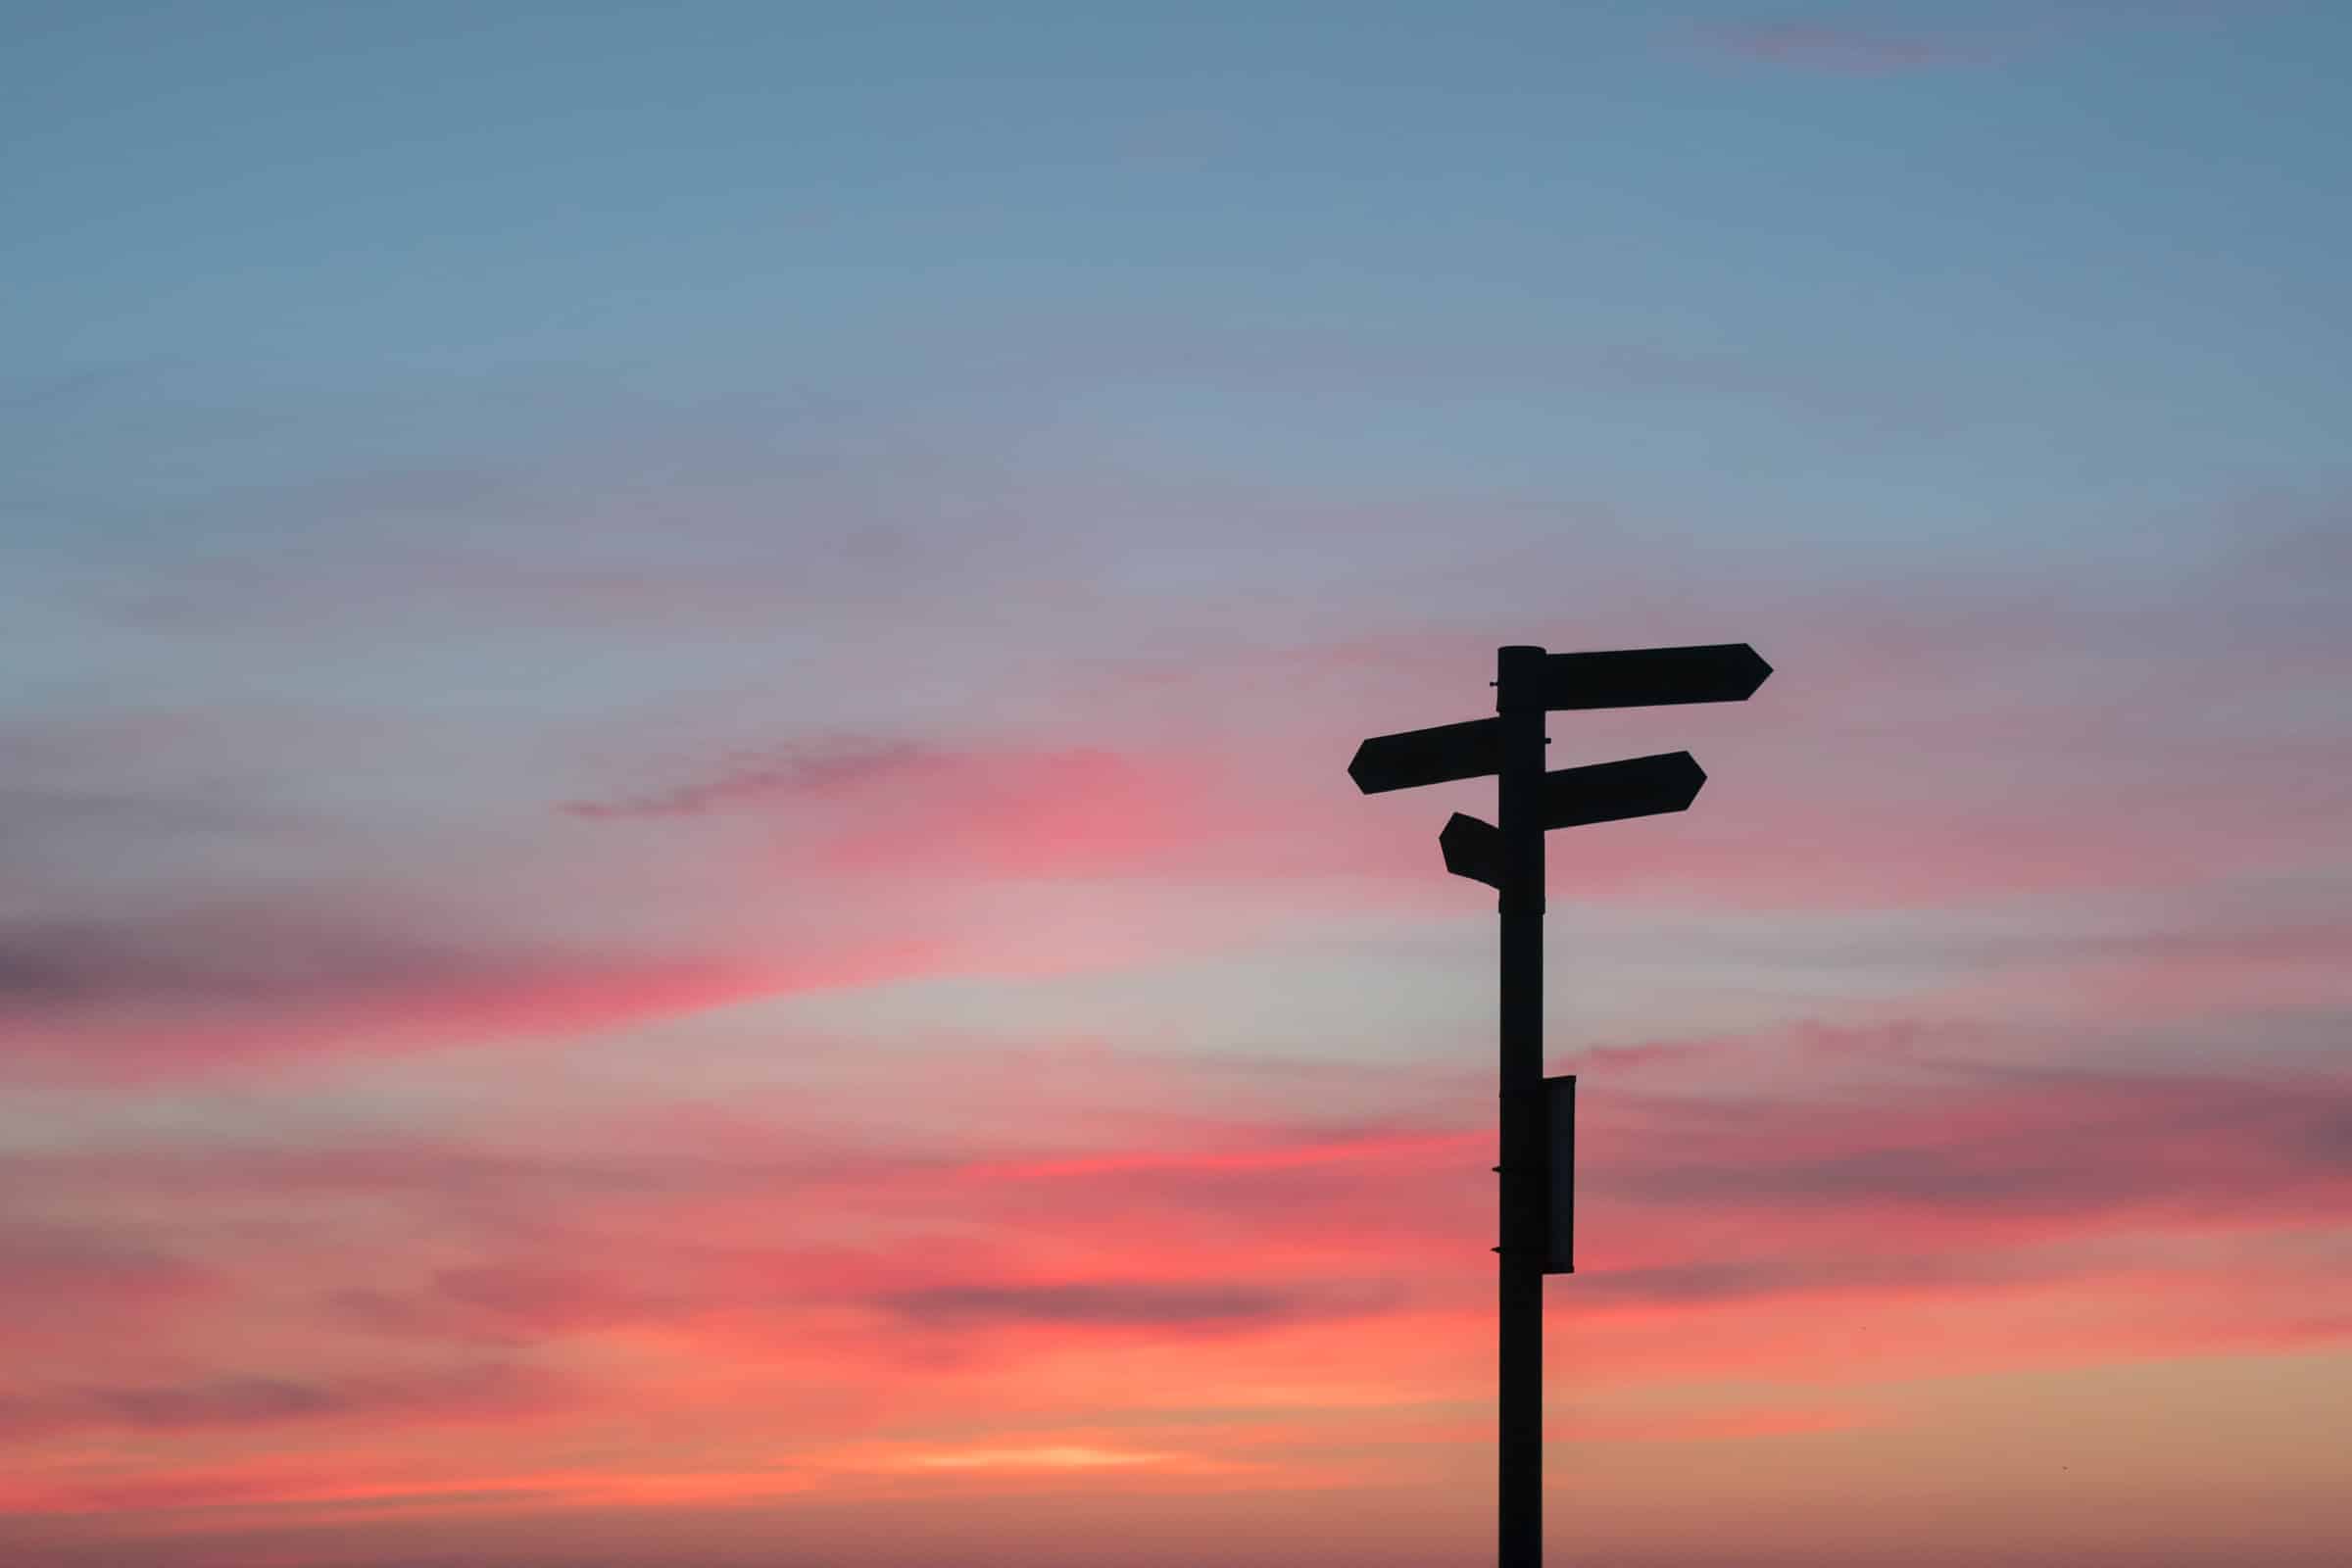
[
  {"x": 166, "y": 993},
  {"x": 486, "y": 1391},
  {"x": 1732, "y": 1423},
  {"x": 47, "y": 1265},
  {"x": 1755, "y": 839},
  {"x": 1069, "y": 813},
  {"x": 866, "y": 805},
  {"x": 824, "y": 767},
  {"x": 1943, "y": 1184},
  {"x": 2013, "y": 1153},
  {"x": 1043, "y": 1311}
]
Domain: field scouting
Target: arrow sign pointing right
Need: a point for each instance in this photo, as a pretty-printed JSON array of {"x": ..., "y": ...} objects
[
  {"x": 1415, "y": 756},
  {"x": 1648, "y": 677},
  {"x": 1573, "y": 797},
  {"x": 1606, "y": 792}
]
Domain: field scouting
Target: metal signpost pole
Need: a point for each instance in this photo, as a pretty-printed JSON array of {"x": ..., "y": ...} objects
[{"x": 1525, "y": 1186}]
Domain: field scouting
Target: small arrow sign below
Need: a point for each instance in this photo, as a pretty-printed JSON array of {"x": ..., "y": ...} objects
[
  {"x": 1606, "y": 792},
  {"x": 1653, "y": 677},
  {"x": 1473, "y": 849},
  {"x": 1412, "y": 758}
]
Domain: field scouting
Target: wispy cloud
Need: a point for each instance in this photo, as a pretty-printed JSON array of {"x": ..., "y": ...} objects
[
  {"x": 1127, "y": 1304},
  {"x": 59, "y": 1285},
  {"x": 877, "y": 1298},
  {"x": 1832, "y": 48},
  {"x": 989, "y": 809},
  {"x": 467, "y": 1393},
  {"x": 199, "y": 988},
  {"x": 823, "y": 767}
]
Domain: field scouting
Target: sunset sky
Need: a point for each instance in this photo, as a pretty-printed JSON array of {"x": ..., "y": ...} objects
[{"x": 676, "y": 879}]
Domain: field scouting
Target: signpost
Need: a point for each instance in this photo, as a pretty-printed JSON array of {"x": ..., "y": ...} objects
[{"x": 1538, "y": 1114}]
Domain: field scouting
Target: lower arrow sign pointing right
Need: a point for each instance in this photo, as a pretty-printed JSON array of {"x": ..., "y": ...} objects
[{"x": 1608, "y": 792}]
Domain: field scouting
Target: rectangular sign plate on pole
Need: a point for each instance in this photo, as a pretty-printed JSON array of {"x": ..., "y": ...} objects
[{"x": 1559, "y": 1126}]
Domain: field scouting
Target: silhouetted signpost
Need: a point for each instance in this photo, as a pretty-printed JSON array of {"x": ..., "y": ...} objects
[{"x": 1538, "y": 1114}]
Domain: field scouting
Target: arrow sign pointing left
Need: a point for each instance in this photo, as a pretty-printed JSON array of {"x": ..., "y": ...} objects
[
  {"x": 1412, "y": 758},
  {"x": 1473, "y": 849}
]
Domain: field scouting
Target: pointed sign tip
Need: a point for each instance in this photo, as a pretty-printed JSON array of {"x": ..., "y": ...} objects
[{"x": 1763, "y": 669}]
